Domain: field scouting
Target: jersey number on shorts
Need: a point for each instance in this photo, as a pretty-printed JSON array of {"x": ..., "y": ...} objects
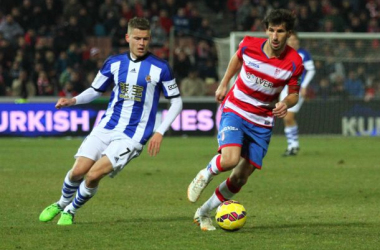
[{"x": 126, "y": 152}]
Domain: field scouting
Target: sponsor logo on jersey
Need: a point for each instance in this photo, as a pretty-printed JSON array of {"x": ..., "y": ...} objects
[
  {"x": 254, "y": 65},
  {"x": 263, "y": 82},
  {"x": 258, "y": 80},
  {"x": 133, "y": 92},
  {"x": 250, "y": 76},
  {"x": 133, "y": 70},
  {"x": 173, "y": 86}
]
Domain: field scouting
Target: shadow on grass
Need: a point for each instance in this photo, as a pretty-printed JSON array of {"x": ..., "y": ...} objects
[
  {"x": 248, "y": 229},
  {"x": 139, "y": 220}
]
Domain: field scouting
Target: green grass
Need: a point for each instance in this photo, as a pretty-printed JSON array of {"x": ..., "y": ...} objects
[{"x": 328, "y": 197}]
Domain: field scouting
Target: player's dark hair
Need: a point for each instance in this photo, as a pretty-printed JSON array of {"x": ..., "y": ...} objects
[
  {"x": 138, "y": 23},
  {"x": 280, "y": 16}
]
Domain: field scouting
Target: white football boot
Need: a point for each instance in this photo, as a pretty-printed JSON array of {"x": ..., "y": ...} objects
[
  {"x": 203, "y": 221},
  {"x": 196, "y": 187}
]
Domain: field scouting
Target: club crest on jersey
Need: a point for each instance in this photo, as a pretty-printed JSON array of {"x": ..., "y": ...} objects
[
  {"x": 277, "y": 72},
  {"x": 148, "y": 79}
]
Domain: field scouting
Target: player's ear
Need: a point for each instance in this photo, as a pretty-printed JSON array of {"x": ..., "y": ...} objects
[
  {"x": 127, "y": 37},
  {"x": 290, "y": 32}
]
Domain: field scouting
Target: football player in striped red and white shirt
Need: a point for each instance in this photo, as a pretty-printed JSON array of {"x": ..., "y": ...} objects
[{"x": 266, "y": 65}]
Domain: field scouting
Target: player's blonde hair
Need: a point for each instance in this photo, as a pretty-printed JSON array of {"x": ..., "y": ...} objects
[{"x": 138, "y": 23}]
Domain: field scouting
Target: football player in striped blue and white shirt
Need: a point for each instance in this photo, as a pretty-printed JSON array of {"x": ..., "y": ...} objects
[
  {"x": 290, "y": 123},
  {"x": 139, "y": 78}
]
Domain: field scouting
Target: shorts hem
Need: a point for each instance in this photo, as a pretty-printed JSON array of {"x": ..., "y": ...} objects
[
  {"x": 229, "y": 145},
  {"x": 83, "y": 155},
  {"x": 253, "y": 163}
]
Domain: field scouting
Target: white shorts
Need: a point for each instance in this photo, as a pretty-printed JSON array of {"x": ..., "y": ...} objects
[
  {"x": 118, "y": 147},
  {"x": 296, "y": 107}
]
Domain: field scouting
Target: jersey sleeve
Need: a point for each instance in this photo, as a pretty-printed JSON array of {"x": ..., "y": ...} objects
[
  {"x": 169, "y": 85},
  {"x": 104, "y": 78},
  {"x": 243, "y": 46},
  {"x": 294, "y": 83},
  {"x": 308, "y": 62}
]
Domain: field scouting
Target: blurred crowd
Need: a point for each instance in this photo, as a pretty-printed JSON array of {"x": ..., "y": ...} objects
[
  {"x": 312, "y": 15},
  {"x": 47, "y": 46},
  {"x": 55, "y": 47},
  {"x": 346, "y": 68}
]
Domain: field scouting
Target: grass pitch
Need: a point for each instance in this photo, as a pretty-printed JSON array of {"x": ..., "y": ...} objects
[{"x": 328, "y": 197}]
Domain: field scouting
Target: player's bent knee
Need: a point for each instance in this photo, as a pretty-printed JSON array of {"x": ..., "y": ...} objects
[
  {"x": 77, "y": 174},
  {"x": 228, "y": 163},
  {"x": 288, "y": 120},
  {"x": 81, "y": 166},
  {"x": 92, "y": 179}
]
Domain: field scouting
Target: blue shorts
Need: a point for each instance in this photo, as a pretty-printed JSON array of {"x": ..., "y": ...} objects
[{"x": 254, "y": 140}]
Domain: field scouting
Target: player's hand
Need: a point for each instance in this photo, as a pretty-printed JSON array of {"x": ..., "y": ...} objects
[
  {"x": 155, "y": 144},
  {"x": 280, "y": 110},
  {"x": 220, "y": 93},
  {"x": 64, "y": 102}
]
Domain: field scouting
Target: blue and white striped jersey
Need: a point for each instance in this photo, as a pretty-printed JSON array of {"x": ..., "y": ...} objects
[
  {"x": 134, "y": 100},
  {"x": 307, "y": 62}
]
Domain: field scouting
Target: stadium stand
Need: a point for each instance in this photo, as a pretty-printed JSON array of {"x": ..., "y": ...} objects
[{"x": 51, "y": 43}]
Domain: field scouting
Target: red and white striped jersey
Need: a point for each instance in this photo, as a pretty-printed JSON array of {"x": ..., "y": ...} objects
[{"x": 261, "y": 80}]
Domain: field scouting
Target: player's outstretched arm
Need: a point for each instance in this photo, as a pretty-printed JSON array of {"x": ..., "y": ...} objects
[
  {"x": 85, "y": 97},
  {"x": 233, "y": 67},
  {"x": 155, "y": 144},
  {"x": 220, "y": 93},
  {"x": 65, "y": 102},
  {"x": 280, "y": 110},
  {"x": 282, "y": 107},
  {"x": 174, "y": 110}
]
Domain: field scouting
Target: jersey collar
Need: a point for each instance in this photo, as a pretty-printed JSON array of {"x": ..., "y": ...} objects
[
  {"x": 139, "y": 59},
  {"x": 279, "y": 57}
]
